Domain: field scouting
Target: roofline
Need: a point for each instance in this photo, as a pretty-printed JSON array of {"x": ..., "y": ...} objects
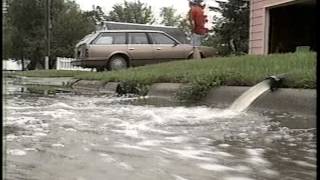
[
  {"x": 142, "y": 31},
  {"x": 113, "y": 22},
  {"x": 95, "y": 33},
  {"x": 128, "y": 30}
]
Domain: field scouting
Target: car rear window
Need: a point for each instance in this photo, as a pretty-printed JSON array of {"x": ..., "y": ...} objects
[
  {"x": 159, "y": 38},
  {"x": 138, "y": 38},
  {"x": 110, "y": 38}
]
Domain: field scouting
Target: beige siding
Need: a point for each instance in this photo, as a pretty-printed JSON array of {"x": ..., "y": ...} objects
[{"x": 259, "y": 24}]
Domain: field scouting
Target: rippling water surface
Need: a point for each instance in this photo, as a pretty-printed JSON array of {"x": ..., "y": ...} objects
[{"x": 78, "y": 137}]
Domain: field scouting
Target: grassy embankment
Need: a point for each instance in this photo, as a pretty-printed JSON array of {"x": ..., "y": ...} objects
[{"x": 206, "y": 73}]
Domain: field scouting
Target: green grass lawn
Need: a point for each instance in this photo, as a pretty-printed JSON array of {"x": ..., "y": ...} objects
[{"x": 203, "y": 74}]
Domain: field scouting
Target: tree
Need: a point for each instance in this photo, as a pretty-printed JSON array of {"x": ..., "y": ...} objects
[
  {"x": 231, "y": 31},
  {"x": 97, "y": 16},
  {"x": 26, "y": 29},
  {"x": 131, "y": 12},
  {"x": 185, "y": 26},
  {"x": 69, "y": 25},
  {"x": 168, "y": 16}
]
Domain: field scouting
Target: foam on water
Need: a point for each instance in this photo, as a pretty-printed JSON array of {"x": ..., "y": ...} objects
[
  {"x": 30, "y": 149},
  {"x": 215, "y": 167},
  {"x": 179, "y": 177},
  {"x": 305, "y": 164},
  {"x": 127, "y": 146},
  {"x": 40, "y": 134},
  {"x": 61, "y": 105},
  {"x": 107, "y": 158},
  {"x": 177, "y": 139},
  {"x": 125, "y": 166},
  {"x": 270, "y": 173},
  {"x": 190, "y": 154},
  {"x": 220, "y": 153},
  {"x": 70, "y": 129},
  {"x": 150, "y": 143},
  {"x": 255, "y": 152},
  {"x": 224, "y": 145},
  {"x": 258, "y": 161},
  {"x": 10, "y": 137},
  {"x": 16, "y": 152},
  {"x": 237, "y": 178},
  {"x": 57, "y": 145}
]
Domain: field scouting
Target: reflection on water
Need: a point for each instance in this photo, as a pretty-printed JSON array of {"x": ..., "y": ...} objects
[{"x": 66, "y": 136}]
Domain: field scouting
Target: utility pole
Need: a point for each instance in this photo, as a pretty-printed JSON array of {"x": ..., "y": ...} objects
[{"x": 47, "y": 58}]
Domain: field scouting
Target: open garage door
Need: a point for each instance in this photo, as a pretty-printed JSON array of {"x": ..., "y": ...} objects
[{"x": 292, "y": 26}]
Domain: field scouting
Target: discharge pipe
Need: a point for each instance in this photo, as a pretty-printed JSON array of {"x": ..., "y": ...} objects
[{"x": 275, "y": 81}]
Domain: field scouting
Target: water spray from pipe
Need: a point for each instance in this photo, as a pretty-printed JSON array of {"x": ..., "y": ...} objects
[{"x": 246, "y": 99}]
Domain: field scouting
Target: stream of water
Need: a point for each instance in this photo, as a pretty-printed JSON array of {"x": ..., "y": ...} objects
[
  {"x": 244, "y": 101},
  {"x": 77, "y": 137}
]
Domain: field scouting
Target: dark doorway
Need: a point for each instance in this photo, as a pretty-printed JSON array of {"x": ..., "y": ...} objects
[{"x": 292, "y": 26}]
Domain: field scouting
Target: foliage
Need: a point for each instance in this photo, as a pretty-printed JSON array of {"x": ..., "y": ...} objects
[
  {"x": 26, "y": 29},
  {"x": 132, "y": 87},
  {"x": 97, "y": 16},
  {"x": 131, "y": 12},
  {"x": 231, "y": 31},
  {"x": 185, "y": 26},
  {"x": 26, "y": 36},
  {"x": 198, "y": 88},
  {"x": 69, "y": 26},
  {"x": 168, "y": 16}
]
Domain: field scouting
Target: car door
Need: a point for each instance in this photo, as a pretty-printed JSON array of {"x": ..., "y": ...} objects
[
  {"x": 139, "y": 48},
  {"x": 165, "y": 48}
]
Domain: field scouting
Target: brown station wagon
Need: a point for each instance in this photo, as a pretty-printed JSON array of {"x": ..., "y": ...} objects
[{"x": 119, "y": 49}]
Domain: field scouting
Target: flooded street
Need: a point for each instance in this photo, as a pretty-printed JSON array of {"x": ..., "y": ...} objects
[{"x": 65, "y": 136}]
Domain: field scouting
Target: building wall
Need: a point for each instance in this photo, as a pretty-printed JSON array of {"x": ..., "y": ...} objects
[{"x": 259, "y": 24}]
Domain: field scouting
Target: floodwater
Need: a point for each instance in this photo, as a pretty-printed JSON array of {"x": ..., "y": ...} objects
[{"x": 65, "y": 136}]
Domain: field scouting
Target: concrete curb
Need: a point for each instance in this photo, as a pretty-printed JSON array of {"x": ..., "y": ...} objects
[
  {"x": 63, "y": 81},
  {"x": 91, "y": 87},
  {"x": 300, "y": 101},
  {"x": 297, "y": 101},
  {"x": 165, "y": 90}
]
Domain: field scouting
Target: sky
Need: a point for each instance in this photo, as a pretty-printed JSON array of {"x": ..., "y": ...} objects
[{"x": 181, "y": 6}]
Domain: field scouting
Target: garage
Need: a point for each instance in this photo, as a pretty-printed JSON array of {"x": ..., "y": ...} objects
[
  {"x": 292, "y": 27},
  {"x": 280, "y": 26}
]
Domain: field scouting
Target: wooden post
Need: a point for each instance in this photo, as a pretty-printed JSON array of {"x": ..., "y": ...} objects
[{"x": 46, "y": 62}]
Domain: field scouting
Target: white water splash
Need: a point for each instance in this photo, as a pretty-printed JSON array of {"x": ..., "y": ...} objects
[
  {"x": 215, "y": 167},
  {"x": 127, "y": 146},
  {"x": 16, "y": 152},
  {"x": 244, "y": 101}
]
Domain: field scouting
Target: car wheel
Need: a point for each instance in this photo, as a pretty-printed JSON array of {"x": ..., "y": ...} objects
[{"x": 117, "y": 63}]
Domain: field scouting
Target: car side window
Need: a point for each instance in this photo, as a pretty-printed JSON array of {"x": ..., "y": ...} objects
[
  {"x": 110, "y": 38},
  {"x": 159, "y": 38},
  {"x": 138, "y": 38}
]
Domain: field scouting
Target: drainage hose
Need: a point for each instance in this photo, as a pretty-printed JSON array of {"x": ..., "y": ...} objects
[{"x": 275, "y": 81}]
